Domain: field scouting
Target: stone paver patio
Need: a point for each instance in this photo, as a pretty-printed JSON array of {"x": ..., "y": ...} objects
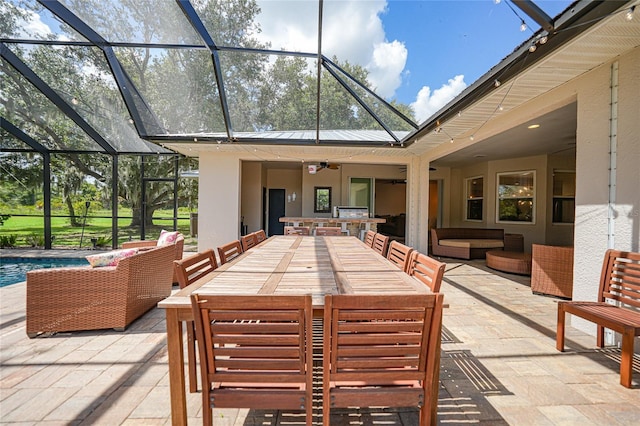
[{"x": 499, "y": 366}]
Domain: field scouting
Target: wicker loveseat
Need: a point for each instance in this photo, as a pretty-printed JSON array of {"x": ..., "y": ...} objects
[
  {"x": 146, "y": 244},
  {"x": 465, "y": 243},
  {"x": 84, "y": 298}
]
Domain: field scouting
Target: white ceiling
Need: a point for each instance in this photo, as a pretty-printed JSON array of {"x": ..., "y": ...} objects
[{"x": 556, "y": 135}]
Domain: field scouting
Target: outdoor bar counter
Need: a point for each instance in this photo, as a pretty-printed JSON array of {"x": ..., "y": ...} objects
[{"x": 352, "y": 224}]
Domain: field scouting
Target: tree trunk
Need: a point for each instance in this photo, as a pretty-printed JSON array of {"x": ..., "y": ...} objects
[{"x": 72, "y": 214}]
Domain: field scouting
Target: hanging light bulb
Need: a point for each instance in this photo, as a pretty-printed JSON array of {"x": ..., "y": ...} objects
[
  {"x": 500, "y": 107},
  {"x": 523, "y": 26},
  {"x": 472, "y": 137},
  {"x": 130, "y": 120},
  {"x": 543, "y": 39},
  {"x": 497, "y": 1},
  {"x": 496, "y": 83},
  {"x": 451, "y": 141},
  {"x": 74, "y": 100},
  {"x": 629, "y": 15},
  {"x": 532, "y": 48}
]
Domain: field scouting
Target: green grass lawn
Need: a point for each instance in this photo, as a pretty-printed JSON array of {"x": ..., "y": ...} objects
[{"x": 29, "y": 230}]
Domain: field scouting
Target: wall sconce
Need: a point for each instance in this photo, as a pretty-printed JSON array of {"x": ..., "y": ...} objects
[{"x": 291, "y": 197}]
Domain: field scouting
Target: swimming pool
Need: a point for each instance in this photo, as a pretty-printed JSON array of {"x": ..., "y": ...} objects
[{"x": 14, "y": 269}]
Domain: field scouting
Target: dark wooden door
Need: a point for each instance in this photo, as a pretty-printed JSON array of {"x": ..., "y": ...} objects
[{"x": 276, "y": 211}]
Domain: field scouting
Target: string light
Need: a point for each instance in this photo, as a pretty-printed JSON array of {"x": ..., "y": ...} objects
[
  {"x": 472, "y": 137},
  {"x": 532, "y": 48},
  {"x": 451, "y": 141},
  {"x": 543, "y": 39},
  {"x": 630, "y": 12},
  {"x": 500, "y": 107},
  {"x": 497, "y": 1},
  {"x": 496, "y": 83},
  {"x": 74, "y": 100},
  {"x": 523, "y": 26}
]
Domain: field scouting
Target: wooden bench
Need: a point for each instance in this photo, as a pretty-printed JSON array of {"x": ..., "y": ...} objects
[{"x": 619, "y": 284}]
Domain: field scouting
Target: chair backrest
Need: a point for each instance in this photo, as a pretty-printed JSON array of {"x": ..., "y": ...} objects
[
  {"x": 620, "y": 278},
  {"x": 260, "y": 235},
  {"x": 426, "y": 269},
  {"x": 297, "y": 230},
  {"x": 380, "y": 243},
  {"x": 229, "y": 251},
  {"x": 256, "y": 351},
  {"x": 369, "y": 237},
  {"x": 328, "y": 231},
  {"x": 382, "y": 350},
  {"x": 192, "y": 268},
  {"x": 399, "y": 254},
  {"x": 248, "y": 241}
]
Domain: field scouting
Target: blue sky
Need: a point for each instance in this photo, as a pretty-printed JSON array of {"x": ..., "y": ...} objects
[{"x": 455, "y": 37}]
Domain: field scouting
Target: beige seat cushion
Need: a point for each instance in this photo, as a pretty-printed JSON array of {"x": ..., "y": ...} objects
[{"x": 472, "y": 243}]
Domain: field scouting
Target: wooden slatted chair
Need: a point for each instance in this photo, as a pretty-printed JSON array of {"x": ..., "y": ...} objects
[
  {"x": 260, "y": 235},
  {"x": 382, "y": 350},
  {"x": 399, "y": 254},
  {"x": 369, "y": 237},
  {"x": 229, "y": 251},
  {"x": 427, "y": 270},
  {"x": 248, "y": 241},
  {"x": 297, "y": 230},
  {"x": 329, "y": 231},
  {"x": 188, "y": 271},
  {"x": 617, "y": 307},
  {"x": 256, "y": 352},
  {"x": 380, "y": 243}
]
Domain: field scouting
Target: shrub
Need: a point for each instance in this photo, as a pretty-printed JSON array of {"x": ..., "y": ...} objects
[
  {"x": 7, "y": 241},
  {"x": 35, "y": 240}
]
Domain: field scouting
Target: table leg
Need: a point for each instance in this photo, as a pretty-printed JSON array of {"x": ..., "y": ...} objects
[{"x": 176, "y": 368}]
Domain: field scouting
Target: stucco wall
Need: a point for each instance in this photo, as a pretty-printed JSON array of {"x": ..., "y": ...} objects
[
  {"x": 218, "y": 199},
  {"x": 592, "y": 236}
]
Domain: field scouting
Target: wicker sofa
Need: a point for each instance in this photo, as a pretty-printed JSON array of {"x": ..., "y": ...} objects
[
  {"x": 84, "y": 298},
  {"x": 465, "y": 243}
]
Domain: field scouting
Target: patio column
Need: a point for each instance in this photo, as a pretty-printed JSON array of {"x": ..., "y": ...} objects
[{"x": 218, "y": 199}]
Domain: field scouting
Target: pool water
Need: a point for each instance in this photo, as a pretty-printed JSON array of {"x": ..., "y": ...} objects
[{"x": 14, "y": 269}]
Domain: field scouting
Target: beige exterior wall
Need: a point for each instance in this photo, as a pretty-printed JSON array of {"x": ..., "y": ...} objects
[{"x": 251, "y": 198}]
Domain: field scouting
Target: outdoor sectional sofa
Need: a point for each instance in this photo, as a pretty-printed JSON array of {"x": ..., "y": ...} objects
[
  {"x": 85, "y": 298},
  {"x": 465, "y": 243}
]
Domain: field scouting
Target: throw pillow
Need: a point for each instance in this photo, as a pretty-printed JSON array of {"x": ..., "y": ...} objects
[
  {"x": 167, "y": 237},
  {"x": 110, "y": 258}
]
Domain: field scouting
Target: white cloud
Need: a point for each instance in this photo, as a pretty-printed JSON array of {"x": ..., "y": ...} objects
[
  {"x": 33, "y": 26},
  {"x": 428, "y": 103},
  {"x": 352, "y": 31},
  {"x": 385, "y": 69}
]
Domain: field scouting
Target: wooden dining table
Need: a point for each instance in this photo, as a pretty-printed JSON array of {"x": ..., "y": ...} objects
[{"x": 281, "y": 264}]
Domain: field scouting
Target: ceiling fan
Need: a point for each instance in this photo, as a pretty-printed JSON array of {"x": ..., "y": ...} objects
[{"x": 314, "y": 168}]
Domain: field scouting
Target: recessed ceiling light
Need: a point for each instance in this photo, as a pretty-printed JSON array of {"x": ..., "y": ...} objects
[{"x": 533, "y": 126}]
